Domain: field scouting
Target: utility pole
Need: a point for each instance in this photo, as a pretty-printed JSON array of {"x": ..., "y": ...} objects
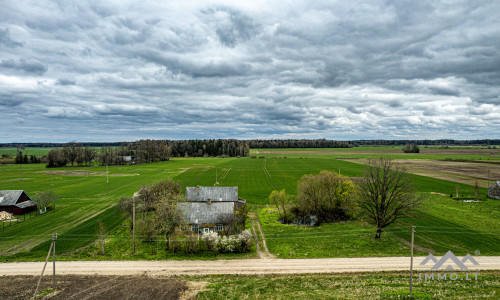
[
  {"x": 54, "y": 238},
  {"x": 133, "y": 225},
  {"x": 50, "y": 177},
  {"x": 488, "y": 178},
  {"x": 107, "y": 178},
  {"x": 21, "y": 171},
  {"x": 411, "y": 262}
]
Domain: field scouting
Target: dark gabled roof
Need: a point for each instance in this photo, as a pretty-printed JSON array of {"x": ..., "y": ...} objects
[
  {"x": 203, "y": 212},
  {"x": 214, "y": 193},
  {"x": 9, "y": 198}
]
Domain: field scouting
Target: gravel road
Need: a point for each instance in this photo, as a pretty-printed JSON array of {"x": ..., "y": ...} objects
[{"x": 236, "y": 266}]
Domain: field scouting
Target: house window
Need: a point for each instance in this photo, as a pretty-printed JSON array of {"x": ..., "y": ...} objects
[
  {"x": 206, "y": 230},
  {"x": 219, "y": 227},
  {"x": 194, "y": 227}
]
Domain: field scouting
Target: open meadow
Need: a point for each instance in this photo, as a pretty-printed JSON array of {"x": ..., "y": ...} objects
[{"x": 86, "y": 198}]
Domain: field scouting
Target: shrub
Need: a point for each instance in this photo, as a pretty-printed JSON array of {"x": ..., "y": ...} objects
[
  {"x": 411, "y": 148},
  {"x": 234, "y": 243}
]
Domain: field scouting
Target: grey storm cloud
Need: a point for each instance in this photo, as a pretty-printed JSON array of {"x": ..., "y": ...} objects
[
  {"x": 30, "y": 66},
  {"x": 6, "y": 40},
  {"x": 260, "y": 69}
]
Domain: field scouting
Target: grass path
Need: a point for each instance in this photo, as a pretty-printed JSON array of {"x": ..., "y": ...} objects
[{"x": 263, "y": 252}]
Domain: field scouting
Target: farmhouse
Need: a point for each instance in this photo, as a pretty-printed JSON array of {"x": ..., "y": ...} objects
[
  {"x": 16, "y": 202},
  {"x": 210, "y": 208},
  {"x": 494, "y": 191}
]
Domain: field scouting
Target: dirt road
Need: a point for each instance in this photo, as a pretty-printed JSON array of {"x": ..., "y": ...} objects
[{"x": 237, "y": 266}]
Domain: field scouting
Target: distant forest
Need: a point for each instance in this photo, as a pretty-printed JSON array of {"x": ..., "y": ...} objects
[
  {"x": 144, "y": 151},
  {"x": 179, "y": 147}
]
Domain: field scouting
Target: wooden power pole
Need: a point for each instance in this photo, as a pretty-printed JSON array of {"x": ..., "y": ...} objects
[
  {"x": 411, "y": 261},
  {"x": 133, "y": 225}
]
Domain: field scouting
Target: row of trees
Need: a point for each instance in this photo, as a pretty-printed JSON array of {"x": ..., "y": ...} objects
[
  {"x": 25, "y": 159},
  {"x": 200, "y": 148},
  {"x": 384, "y": 194},
  {"x": 143, "y": 151},
  {"x": 303, "y": 143}
]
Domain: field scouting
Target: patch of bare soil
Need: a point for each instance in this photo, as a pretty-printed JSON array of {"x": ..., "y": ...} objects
[
  {"x": 194, "y": 287},
  {"x": 95, "y": 287},
  {"x": 458, "y": 171}
]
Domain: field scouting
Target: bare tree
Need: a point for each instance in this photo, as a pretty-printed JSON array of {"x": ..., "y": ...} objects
[
  {"x": 386, "y": 193},
  {"x": 45, "y": 199},
  {"x": 101, "y": 234},
  {"x": 71, "y": 151},
  {"x": 89, "y": 154}
]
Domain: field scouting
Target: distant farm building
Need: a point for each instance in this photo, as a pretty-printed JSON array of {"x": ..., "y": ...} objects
[
  {"x": 16, "y": 202},
  {"x": 210, "y": 208},
  {"x": 494, "y": 191}
]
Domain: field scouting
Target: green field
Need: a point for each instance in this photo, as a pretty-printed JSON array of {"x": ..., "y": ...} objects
[
  {"x": 28, "y": 151},
  {"x": 86, "y": 198},
  {"x": 384, "y": 285}
]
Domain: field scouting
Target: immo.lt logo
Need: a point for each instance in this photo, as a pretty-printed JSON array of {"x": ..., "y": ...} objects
[{"x": 449, "y": 262}]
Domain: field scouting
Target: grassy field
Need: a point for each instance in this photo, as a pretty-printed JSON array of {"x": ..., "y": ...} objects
[
  {"x": 385, "y": 285},
  {"x": 28, "y": 151},
  {"x": 462, "y": 153},
  {"x": 86, "y": 199}
]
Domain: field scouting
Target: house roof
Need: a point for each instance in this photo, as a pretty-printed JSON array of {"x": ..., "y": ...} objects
[
  {"x": 214, "y": 193},
  {"x": 8, "y": 198},
  {"x": 204, "y": 212}
]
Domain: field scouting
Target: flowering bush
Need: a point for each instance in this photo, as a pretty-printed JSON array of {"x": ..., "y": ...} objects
[{"x": 233, "y": 243}]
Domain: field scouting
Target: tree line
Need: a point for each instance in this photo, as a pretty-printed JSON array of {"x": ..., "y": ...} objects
[{"x": 143, "y": 151}]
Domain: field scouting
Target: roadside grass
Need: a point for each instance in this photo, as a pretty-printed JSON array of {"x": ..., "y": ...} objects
[
  {"x": 346, "y": 239},
  {"x": 376, "y": 285},
  {"x": 442, "y": 224}
]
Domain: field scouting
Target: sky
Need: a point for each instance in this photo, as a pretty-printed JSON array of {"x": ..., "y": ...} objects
[{"x": 344, "y": 70}]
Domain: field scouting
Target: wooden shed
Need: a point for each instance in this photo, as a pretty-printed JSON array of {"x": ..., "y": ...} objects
[
  {"x": 494, "y": 191},
  {"x": 16, "y": 202},
  {"x": 210, "y": 208}
]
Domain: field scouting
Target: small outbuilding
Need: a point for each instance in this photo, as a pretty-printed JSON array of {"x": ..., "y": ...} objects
[
  {"x": 494, "y": 191},
  {"x": 211, "y": 208},
  {"x": 16, "y": 202}
]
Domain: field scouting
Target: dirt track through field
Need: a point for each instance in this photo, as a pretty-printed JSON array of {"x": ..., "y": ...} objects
[{"x": 236, "y": 266}]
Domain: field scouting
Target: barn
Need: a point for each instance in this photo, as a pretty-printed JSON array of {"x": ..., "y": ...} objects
[
  {"x": 494, "y": 191},
  {"x": 210, "y": 208},
  {"x": 16, "y": 202}
]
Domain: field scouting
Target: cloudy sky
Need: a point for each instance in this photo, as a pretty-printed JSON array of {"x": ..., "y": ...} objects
[{"x": 118, "y": 71}]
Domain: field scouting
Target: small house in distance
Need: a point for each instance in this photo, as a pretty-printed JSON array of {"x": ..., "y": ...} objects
[
  {"x": 16, "y": 202},
  {"x": 211, "y": 208},
  {"x": 494, "y": 191}
]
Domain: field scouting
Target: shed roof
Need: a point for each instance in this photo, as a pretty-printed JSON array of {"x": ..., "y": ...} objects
[
  {"x": 203, "y": 212},
  {"x": 8, "y": 198},
  {"x": 214, "y": 193}
]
